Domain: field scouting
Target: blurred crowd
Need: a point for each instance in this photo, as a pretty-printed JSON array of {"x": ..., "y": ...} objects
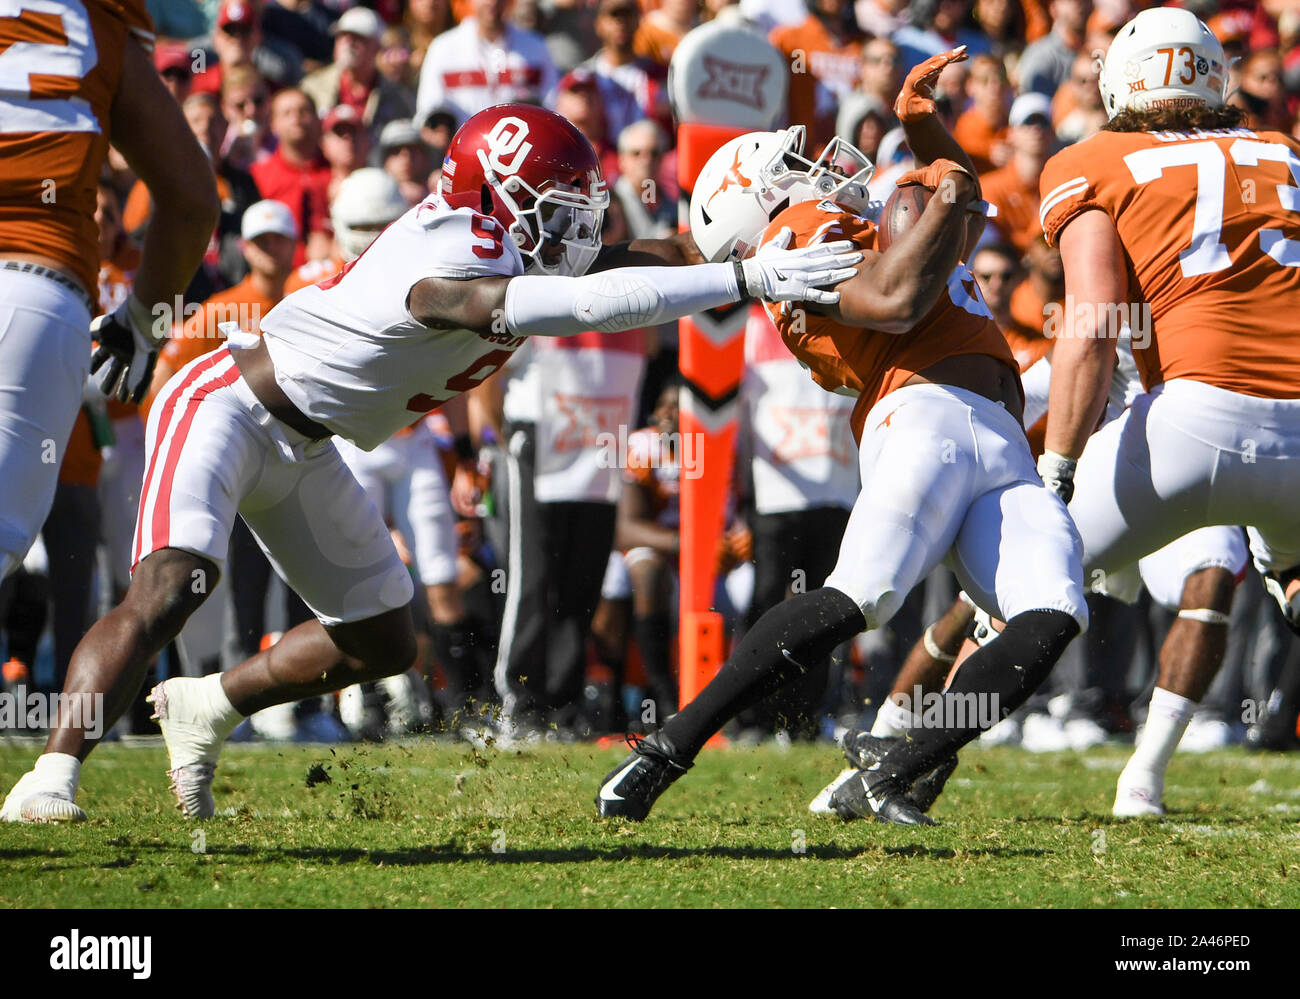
[{"x": 554, "y": 604}]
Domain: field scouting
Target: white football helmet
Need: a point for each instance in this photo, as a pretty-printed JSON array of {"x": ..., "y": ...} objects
[
  {"x": 749, "y": 180},
  {"x": 1164, "y": 57},
  {"x": 367, "y": 200}
]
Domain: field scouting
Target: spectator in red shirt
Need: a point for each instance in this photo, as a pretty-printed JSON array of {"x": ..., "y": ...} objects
[
  {"x": 353, "y": 78},
  {"x": 296, "y": 173},
  {"x": 239, "y": 41}
]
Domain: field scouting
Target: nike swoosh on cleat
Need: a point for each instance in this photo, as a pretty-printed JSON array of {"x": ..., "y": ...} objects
[{"x": 606, "y": 789}]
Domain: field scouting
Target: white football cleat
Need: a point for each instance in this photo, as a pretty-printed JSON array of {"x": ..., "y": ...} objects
[
  {"x": 28, "y": 803},
  {"x": 1132, "y": 802},
  {"x": 821, "y": 805},
  {"x": 193, "y": 742}
]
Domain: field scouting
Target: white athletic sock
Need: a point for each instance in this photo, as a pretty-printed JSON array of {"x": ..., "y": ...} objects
[
  {"x": 1167, "y": 720},
  {"x": 58, "y": 773},
  {"x": 222, "y": 715},
  {"x": 892, "y": 720}
]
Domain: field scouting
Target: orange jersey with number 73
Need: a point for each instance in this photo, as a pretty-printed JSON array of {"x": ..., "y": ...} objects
[
  {"x": 1210, "y": 225},
  {"x": 67, "y": 57}
]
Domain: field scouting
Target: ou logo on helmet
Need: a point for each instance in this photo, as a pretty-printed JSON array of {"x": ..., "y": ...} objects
[{"x": 507, "y": 139}]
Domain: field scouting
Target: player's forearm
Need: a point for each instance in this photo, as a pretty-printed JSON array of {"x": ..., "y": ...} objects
[
  {"x": 930, "y": 141},
  {"x": 904, "y": 283},
  {"x": 623, "y": 299},
  {"x": 1081, "y": 371}
]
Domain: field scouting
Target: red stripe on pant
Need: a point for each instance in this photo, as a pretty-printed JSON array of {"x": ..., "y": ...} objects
[
  {"x": 162, "y": 505},
  {"x": 164, "y": 425}
]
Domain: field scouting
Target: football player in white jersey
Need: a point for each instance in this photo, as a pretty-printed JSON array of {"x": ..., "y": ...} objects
[{"x": 435, "y": 305}]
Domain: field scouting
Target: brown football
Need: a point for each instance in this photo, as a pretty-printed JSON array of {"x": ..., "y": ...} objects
[{"x": 901, "y": 211}]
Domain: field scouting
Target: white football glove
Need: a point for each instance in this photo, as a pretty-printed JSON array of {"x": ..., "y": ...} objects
[
  {"x": 127, "y": 350},
  {"x": 1057, "y": 473},
  {"x": 780, "y": 275}
]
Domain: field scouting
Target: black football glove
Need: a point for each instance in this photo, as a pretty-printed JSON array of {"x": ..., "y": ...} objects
[{"x": 127, "y": 351}]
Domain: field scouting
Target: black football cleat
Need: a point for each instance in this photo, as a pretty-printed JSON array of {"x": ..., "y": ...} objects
[
  {"x": 927, "y": 788},
  {"x": 864, "y": 750},
  {"x": 630, "y": 790},
  {"x": 876, "y": 796}
]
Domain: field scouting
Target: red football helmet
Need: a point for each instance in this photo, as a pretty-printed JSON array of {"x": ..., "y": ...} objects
[{"x": 538, "y": 176}]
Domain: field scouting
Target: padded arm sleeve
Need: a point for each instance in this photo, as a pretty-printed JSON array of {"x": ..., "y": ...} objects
[{"x": 626, "y": 298}]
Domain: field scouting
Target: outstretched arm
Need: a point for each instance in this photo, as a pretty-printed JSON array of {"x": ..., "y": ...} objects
[
  {"x": 894, "y": 290},
  {"x": 629, "y": 297}
]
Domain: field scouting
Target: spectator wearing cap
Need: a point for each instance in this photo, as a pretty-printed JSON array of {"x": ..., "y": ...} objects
[
  {"x": 937, "y": 26},
  {"x": 353, "y": 78},
  {"x": 406, "y": 159},
  {"x": 174, "y": 66},
  {"x": 662, "y": 28},
  {"x": 296, "y": 174},
  {"x": 824, "y": 54},
  {"x": 344, "y": 143},
  {"x": 269, "y": 238},
  {"x": 1046, "y": 64},
  {"x": 238, "y": 41},
  {"x": 632, "y": 86},
  {"x": 484, "y": 61},
  {"x": 640, "y": 153},
  {"x": 1014, "y": 187},
  {"x": 982, "y": 128},
  {"x": 578, "y": 99}
]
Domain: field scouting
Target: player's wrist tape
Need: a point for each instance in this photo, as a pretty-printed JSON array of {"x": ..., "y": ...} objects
[
  {"x": 1056, "y": 466},
  {"x": 1205, "y": 615},
  {"x": 932, "y": 647},
  {"x": 741, "y": 283},
  {"x": 626, "y": 298}
]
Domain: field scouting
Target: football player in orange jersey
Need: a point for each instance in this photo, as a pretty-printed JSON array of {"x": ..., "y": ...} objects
[
  {"x": 1177, "y": 213},
  {"x": 91, "y": 80},
  {"x": 947, "y": 474}
]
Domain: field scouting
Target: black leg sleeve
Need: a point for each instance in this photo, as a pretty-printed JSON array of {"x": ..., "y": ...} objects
[
  {"x": 990, "y": 685},
  {"x": 775, "y": 651}
]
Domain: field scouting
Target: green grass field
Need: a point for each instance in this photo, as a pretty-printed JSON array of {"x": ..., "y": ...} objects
[{"x": 424, "y": 824}]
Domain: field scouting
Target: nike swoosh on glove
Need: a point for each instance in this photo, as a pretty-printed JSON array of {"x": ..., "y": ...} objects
[{"x": 778, "y": 274}]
